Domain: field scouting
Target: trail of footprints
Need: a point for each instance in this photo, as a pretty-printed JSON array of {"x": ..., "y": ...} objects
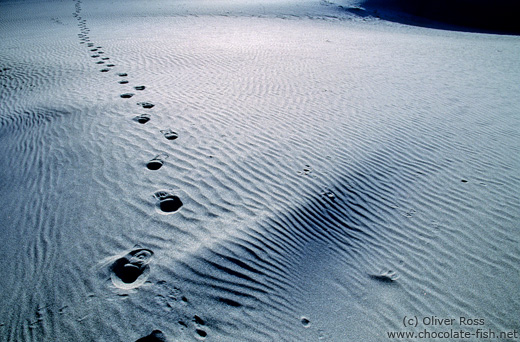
[{"x": 132, "y": 270}]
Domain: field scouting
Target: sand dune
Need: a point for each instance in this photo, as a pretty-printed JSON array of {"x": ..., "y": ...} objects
[{"x": 236, "y": 171}]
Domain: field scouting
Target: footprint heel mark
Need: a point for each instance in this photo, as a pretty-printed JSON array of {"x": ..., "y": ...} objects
[
  {"x": 143, "y": 118},
  {"x": 127, "y": 95},
  {"x": 156, "y": 162},
  {"x": 146, "y": 105},
  {"x": 132, "y": 270},
  {"x": 167, "y": 201},
  {"x": 155, "y": 336},
  {"x": 169, "y": 134}
]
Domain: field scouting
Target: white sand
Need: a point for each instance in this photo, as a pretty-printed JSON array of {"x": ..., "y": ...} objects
[{"x": 316, "y": 151}]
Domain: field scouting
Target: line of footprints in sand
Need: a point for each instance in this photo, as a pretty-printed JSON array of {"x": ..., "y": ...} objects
[{"x": 132, "y": 270}]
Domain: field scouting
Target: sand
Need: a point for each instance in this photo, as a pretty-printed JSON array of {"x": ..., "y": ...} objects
[{"x": 237, "y": 171}]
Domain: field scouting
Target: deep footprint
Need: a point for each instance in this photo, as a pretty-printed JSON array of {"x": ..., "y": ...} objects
[
  {"x": 143, "y": 118},
  {"x": 167, "y": 201},
  {"x": 198, "y": 320},
  {"x": 146, "y": 105},
  {"x": 157, "y": 162},
  {"x": 155, "y": 336},
  {"x": 132, "y": 270},
  {"x": 169, "y": 134},
  {"x": 201, "y": 334},
  {"x": 305, "y": 322}
]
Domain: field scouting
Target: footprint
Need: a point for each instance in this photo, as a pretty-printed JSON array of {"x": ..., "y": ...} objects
[
  {"x": 143, "y": 118},
  {"x": 95, "y": 56},
  {"x": 122, "y": 74},
  {"x": 105, "y": 58},
  {"x": 157, "y": 162},
  {"x": 200, "y": 333},
  {"x": 305, "y": 322},
  {"x": 123, "y": 82},
  {"x": 105, "y": 70},
  {"x": 385, "y": 277},
  {"x": 306, "y": 170},
  {"x": 139, "y": 87},
  {"x": 127, "y": 95},
  {"x": 198, "y": 320},
  {"x": 328, "y": 194},
  {"x": 169, "y": 134},
  {"x": 155, "y": 336},
  {"x": 111, "y": 65},
  {"x": 100, "y": 62},
  {"x": 132, "y": 270},
  {"x": 170, "y": 298},
  {"x": 167, "y": 201},
  {"x": 146, "y": 105},
  {"x": 93, "y": 50}
]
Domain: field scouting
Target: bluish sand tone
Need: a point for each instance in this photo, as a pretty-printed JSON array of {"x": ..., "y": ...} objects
[{"x": 237, "y": 171}]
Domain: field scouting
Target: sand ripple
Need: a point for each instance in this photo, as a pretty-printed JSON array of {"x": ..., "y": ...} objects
[{"x": 253, "y": 179}]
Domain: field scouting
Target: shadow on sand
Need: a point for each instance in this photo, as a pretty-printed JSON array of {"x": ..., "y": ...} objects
[{"x": 499, "y": 16}]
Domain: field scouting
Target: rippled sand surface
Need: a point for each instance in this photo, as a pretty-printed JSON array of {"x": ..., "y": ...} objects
[{"x": 228, "y": 171}]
